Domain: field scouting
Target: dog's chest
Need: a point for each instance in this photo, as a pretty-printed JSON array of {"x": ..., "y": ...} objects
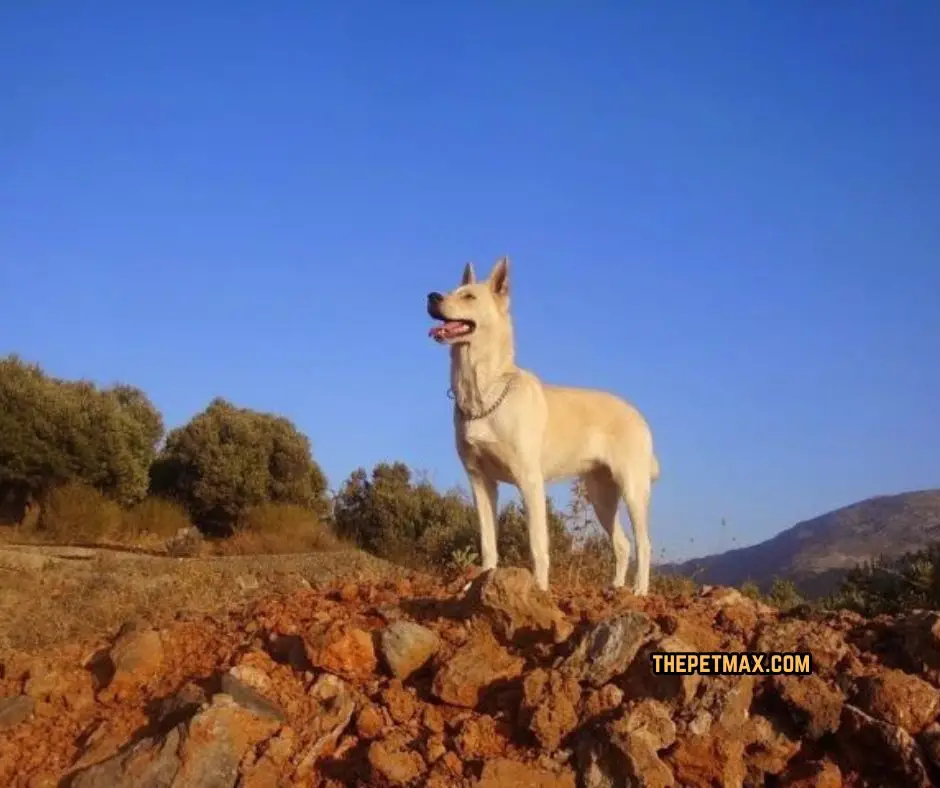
[{"x": 484, "y": 447}]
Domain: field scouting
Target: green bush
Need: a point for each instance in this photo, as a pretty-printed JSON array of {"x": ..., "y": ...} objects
[
  {"x": 227, "y": 460},
  {"x": 55, "y": 431},
  {"x": 892, "y": 586}
]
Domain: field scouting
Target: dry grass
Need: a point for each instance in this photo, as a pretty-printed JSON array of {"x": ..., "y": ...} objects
[{"x": 48, "y": 599}]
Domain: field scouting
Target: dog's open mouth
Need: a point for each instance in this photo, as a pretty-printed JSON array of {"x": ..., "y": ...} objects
[{"x": 451, "y": 329}]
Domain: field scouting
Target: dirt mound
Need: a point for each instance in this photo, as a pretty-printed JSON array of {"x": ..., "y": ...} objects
[{"x": 408, "y": 682}]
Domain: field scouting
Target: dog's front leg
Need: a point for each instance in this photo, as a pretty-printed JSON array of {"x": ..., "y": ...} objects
[
  {"x": 532, "y": 487},
  {"x": 485, "y": 498}
]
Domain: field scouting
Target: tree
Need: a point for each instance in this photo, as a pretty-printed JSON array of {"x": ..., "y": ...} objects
[
  {"x": 512, "y": 534},
  {"x": 55, "y": 431},
  {"x": 891, "y": 586},
  {"x": 391, "y": 516},
  {"x": 228, "y": 459}
]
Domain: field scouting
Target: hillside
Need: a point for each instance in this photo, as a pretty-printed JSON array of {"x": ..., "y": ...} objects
[
  {"x": 816, "y": 553},
  {"x": 409, "y": 682}
]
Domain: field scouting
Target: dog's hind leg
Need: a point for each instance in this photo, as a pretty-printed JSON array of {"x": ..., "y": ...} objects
[
  {"x": 485, "y": 493},
  {"x": 636, "y": 494},
  {"x": 604, "y": 495}
]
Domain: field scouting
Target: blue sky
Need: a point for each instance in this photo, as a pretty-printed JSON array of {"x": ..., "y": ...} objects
[{"x": 729, "y": 213}]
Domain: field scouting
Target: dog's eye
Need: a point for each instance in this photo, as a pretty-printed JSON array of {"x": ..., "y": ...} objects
[{"x": 468, "y": 296}]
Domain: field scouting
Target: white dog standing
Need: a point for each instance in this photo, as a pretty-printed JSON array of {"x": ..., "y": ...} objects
[{"x": 512, "y": 428}]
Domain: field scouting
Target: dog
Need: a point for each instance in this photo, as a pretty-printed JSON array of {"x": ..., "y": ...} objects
[{"x": 512, "y": 428}]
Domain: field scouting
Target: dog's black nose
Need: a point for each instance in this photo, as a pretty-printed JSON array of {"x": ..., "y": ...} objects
[{"x": 435, "y": 298}]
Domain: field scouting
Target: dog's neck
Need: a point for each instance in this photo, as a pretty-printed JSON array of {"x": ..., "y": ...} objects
[{"x": 478, "y": 369}]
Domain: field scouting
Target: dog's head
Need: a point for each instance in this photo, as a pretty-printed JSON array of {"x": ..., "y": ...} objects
[{"x": 473, "y": 309}]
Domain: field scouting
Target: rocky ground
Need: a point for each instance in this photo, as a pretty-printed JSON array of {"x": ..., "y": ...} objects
[{"x": 405, "y": 682}]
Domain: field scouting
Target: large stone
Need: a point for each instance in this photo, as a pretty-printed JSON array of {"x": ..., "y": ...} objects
[
  {"x": 930, "y": 742},
  {"x": 15, "y": 710},
  {"x": 347, "y": 652},
  {"x": 768, "y": 748},
  {"x": 334, "y": 704},
  {"x": 898, "y": 698},
  {"x": 137, "y": 656},
  {"x": 503, "y": 773},
  {"x": 462, "y": 680},
  {"x": 672, "y": 688},
  {"x": 203, "y": 753},
  {"x": 608, "y": 649},
  {"x": 517, "y": 609},
  {"x": 407, "y": 647},
  {"x": 550, "y": 706},
  {"x": 251, "y": 699},
  {"x": 881, "y": 751},
  {"x": 814, "y": 706},
  {"x": 393, "y": 761}
]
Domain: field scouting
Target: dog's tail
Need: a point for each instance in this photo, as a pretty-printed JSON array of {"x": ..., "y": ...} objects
[{"x": 654, "y": 469}]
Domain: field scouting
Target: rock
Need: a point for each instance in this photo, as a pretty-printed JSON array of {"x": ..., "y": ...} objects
[
  {"x": 607, "y": 649},
  {"x": 881, "y": 750},
  {"x": 815, "y": 707},
  {"x": 768, "y": 749},
  {"x": 334, "y": 704},
  {"x": 898, "y": 698},
  {"x": 393, "y": 762},
  {"x": 407, "y": 647},
  {"x": 150, "y": 763},
  {"x": 827, "y": 646},
  {"x": 347, "y": 652},
  {"x": 265, "y": 769},
  {"x": 708, "y": 760},
  {"x": 601, "y": 701},
  {"x": 930, "y": 742},
  {"x": 503, "y": 773},
  {"x": 216, "y": 741},
  {"x": 722, "y": 703},
  {"x": 813, "y": 774},
  {"x": 15, "y": 710},
  {"x": 251, "y": 699},
  {"x": 642, "y": 682},
  {"x": 640, "y": 735},
  {"x": 462, "y": 680},
  {"x": 369, "y": 722},
  {"x": 204, "y": 752},
  {"x": 401, "y": 703},
  {"x": 518, "y": 610},
  {"x": 550, "y": 706},
  {"x": 480, "y": 738},
  {"x": 920, "y": 635},
  {"x": 137, "y": 656},
  {"x": 252, "y": 676}
]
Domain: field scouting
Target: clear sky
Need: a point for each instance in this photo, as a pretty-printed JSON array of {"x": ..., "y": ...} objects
[{"x": 729, "y": 213}]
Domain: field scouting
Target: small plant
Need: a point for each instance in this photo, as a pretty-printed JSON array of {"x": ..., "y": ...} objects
[
  {"x": 751, "y": 590},
  {"x": 462, "y": 559},
  {"x": 784, "y": 595}
]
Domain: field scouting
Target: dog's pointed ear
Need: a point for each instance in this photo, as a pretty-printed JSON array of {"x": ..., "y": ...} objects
[
  {"x": 499, "y": 277},
  {"x": 469, "y": 275}
]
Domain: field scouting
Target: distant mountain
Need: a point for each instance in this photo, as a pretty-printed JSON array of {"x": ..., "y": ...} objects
[{"x": 815, "y": 554}]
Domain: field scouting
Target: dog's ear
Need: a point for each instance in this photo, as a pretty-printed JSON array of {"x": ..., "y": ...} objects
[
  {"x": 499, "y": 277},
  {"x": 469, "y": 276}
]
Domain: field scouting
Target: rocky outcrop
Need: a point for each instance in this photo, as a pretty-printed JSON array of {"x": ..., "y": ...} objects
[{"x": 404, "y": 685}]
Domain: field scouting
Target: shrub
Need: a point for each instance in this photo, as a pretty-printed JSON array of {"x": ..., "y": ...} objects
[
  {"x": 391, "y": 516},
  {"x": 75, "y": 513},
  {"x": 280, "y": 528},
  {"x": 157, "y": 517},
  {"x": 227, "y": 460},
  {"x": 783, "y": 594},
  {"x": 892, "y": 586},
  {"x": 55, "y": 431}
]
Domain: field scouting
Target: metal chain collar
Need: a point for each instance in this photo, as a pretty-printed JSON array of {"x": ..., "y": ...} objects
[{"x": 491, "y": 408}]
